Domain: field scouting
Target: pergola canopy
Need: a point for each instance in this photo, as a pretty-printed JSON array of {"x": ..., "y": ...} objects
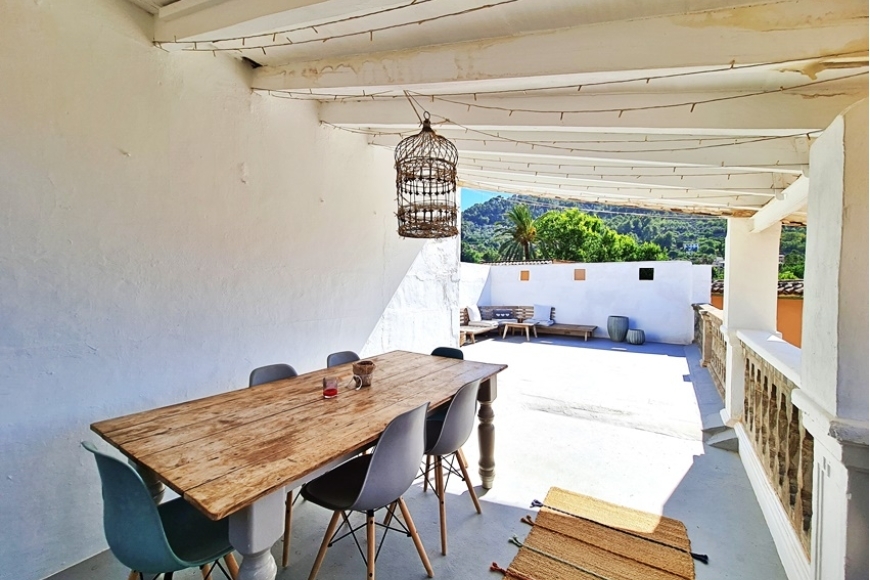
[{"x": 707, "y": 107}]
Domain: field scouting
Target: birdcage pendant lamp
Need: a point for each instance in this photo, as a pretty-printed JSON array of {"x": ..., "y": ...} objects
[{"x": 426, "y": 185}]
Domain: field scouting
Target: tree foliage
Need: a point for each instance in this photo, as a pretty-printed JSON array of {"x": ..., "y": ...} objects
[
  {"x": 577, "y": 236},
  {"x": 519, "y": 232},
  {"x": 699, "y": 240}
]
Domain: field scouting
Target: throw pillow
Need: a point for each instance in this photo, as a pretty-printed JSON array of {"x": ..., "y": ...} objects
[
  {"x": 486, "y": 314},
  {"x": 542, "y": 312},
  {"x": 473, "y": 313},
  {"x": 500, "y": 314}
]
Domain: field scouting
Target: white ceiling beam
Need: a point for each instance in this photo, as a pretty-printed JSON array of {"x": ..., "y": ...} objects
[
  {"x": 630, "y": 193},
  {"x": 685, "y": 205},
  {"x": 762, "y": 195},
  {"x": 792, "y": 200},
  {"x": 652, "y": 176},
  {"x": 758, "y": 156},
  {"x": 790, "y": 29},
  {"x": 192, "y": 20},
  {"x": 779, "y": 113}
]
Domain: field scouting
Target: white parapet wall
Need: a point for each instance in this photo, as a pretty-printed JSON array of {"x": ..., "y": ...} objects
[{"x": 589, "y": 293}]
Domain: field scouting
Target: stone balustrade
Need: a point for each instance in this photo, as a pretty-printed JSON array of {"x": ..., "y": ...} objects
[
  {"x": 708, "y": 335},
  {"x": 782, "y": 444},
  {"x": 772, "y": 422}
]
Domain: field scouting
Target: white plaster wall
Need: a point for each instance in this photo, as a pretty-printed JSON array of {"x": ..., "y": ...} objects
[
  {"x": 702, "y": 277},
  {"x": 835, "y": 340},
  {"x": 475, "y": 286},
  {"x": 163, "y": 231},
  {"x": 660, "y": 307}
]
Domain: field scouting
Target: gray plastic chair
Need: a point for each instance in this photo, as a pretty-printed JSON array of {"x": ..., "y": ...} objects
[
  {"x": 270, "y": 373},
  {"x": 156, "y": 539},
  {"x": 259, "y": 376},
  {"x": 444, "y": 440},
  {"x": 448, "y": 352},
  {"x": 340, "y": 358},
  {"x": 368, "y": 483}
]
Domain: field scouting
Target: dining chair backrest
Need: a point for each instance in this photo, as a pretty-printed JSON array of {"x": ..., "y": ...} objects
[
  {"x": 395, "y": 461},
  {"x": 458, "y": 422},
  {"x": 131, "y": 521},
  {"x": 448, "y": 352},
  {"x": 270, "y": 373},
  {"x": 340, "y": 358}
]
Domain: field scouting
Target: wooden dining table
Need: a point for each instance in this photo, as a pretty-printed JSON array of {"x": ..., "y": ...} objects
[{"x": 235, "y": 454}]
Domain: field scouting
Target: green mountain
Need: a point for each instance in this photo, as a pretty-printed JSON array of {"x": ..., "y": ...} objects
[{"x": 700, "y": 240}]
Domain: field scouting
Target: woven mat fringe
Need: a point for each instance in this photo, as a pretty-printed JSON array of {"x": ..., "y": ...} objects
[{"x": 604, "y": 563}]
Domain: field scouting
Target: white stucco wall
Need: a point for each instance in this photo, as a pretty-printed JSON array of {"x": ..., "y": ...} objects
[
  {"x": 660, "y": 307},
  {"x": 165, "y": 230},
  {"x": 475, "y": 286},
  {"x": 702, "y": 277},
  {"x": 835, "y": 340}
]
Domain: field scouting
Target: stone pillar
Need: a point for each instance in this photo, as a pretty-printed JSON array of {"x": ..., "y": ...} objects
[
  {"x": 749, "y": 299},
  {"x": 834, "y": 373}
]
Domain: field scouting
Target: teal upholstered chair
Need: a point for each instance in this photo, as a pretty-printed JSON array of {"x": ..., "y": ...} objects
[{"x": 156, "y": 539}]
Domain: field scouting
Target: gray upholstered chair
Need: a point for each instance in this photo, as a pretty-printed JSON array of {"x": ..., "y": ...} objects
[
  {"x": 340, "y": 358},
  {"x": 444, "y": 440},
  {"x": 269, "y": 373},
  {"x": 259, "y": 376},
  {"x": 368, "y": 483}
]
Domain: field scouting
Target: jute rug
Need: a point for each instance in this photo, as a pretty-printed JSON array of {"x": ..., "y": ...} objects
[{"x": 576, "y": 537}]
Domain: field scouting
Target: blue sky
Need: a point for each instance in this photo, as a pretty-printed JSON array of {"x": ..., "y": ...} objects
[{"x": 473, "y": 196}]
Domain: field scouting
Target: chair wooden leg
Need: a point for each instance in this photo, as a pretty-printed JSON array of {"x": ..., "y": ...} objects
[
  {"x": 205, "y": 571},
  {"x": 468, "y": 481},
  {"x": 288, "y": 509},
  {"x": 439, "y": 491},
  {"x": 388, "y": 517},
  {"x": 426, "y": 474},
  {"x": 134, "y": 575},
  {"x": 330, "y": 529},
  {"x": 370, "y": 544},
  {"x": 232, "y": 565},
  {"x": 416, "y": 537},
  {"x": 462, "y": 458}
]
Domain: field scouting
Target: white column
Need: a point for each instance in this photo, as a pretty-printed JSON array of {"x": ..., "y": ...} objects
[
  {"x": 749, "y": 301},
  {"x": 834, "y": 390}
]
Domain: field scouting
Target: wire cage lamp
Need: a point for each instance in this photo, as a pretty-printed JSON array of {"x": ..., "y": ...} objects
[{"x": 426, "y": 185}]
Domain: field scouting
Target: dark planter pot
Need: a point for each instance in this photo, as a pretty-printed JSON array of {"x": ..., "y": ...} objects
[
  {"x": 635, "y": 336},
  {"x": 617, "y": 328}
]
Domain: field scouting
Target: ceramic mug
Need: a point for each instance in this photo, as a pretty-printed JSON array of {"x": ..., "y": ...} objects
[{"x": 362, "y": 373}]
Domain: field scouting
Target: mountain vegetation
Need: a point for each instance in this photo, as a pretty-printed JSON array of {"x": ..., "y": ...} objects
[{"x": 524, "y": 228}]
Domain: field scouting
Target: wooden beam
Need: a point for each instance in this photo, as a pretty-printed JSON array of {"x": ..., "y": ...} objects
[
  {"x": 780, "y": 113},
  {"x": 757, "y": 196},
  {"x": 793, "y": 200},
  {"x": 759, "y": 156},
  {"x": 594, "y": 197},
  {"x": 694, "y": 178},
  {"x": 790, "y": 29},
  {"x": 190, "y": 20}
]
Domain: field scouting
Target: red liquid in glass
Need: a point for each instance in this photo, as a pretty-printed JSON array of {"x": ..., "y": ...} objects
[{"x": 330, "y": 388}]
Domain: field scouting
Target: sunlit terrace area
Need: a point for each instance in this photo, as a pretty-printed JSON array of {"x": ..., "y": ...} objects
[
  {"x": 195, "y": 189},
  {"x": 618, "y": 422}
]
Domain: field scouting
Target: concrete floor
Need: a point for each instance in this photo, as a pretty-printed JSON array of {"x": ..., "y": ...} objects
[{"x": 618, "y": 422}]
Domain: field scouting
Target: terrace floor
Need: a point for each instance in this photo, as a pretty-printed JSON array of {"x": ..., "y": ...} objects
[{"x": 618, "y": 422}]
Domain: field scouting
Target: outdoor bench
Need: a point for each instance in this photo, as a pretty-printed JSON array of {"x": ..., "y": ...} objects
[{"x": 524, "y": 313}]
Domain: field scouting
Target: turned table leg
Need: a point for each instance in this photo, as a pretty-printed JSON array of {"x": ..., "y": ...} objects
[
  {"x": 486, "y": 431},
  {"x": 253, "y": 531}
]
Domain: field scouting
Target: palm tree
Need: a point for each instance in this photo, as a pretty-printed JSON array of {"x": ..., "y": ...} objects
[{"x": 520, "y": 234}]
